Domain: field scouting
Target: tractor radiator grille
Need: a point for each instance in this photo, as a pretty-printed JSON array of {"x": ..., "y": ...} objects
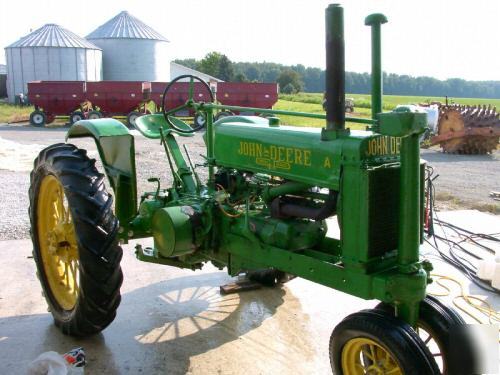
[{"x": 383, "y": 210}]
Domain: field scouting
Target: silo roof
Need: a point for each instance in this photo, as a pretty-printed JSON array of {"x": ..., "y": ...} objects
[
  {"x": 52, "y": 35},
  {"x": 124, "y": 25}
]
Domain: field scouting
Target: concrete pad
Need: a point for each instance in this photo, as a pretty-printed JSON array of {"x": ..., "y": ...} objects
[{"x": 176, "y": 321}]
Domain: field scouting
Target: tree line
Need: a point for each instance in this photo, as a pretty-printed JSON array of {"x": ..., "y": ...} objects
[{"x": 296, "y": 78}]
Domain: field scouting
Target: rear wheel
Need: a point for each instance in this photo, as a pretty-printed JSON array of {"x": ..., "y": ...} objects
[
  {"x": 374, "y": 342},
  {"x": 38, "y": 118},
  {"x": 74, "y": 234}
]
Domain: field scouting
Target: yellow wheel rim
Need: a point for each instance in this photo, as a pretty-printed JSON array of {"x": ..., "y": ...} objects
[
  {"x": 365, "y": 356},
  {"x": 57, "y": 242}
]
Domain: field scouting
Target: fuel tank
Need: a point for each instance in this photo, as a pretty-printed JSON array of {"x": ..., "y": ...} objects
[{"x": 296, "y": 153}]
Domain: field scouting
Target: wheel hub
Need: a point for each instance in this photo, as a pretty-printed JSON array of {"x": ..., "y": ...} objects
[
  {"x": 58, "y": 246},
  {"x": 365, "y": 356}
]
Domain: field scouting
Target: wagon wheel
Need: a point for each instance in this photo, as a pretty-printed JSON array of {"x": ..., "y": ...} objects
[
  {"x": 94, "y": 115},
  {"x": 374, "y": 342},
  {"x": 438, "y": 325},
  {"x": 223, "y": 114},
  {"x": 131, "y": 117},
  {"x": 76, "y": 116},
  {"x": 75, "y": 244},
  {"x": 38, "y": 118},
  {"x": 170, "y": 112}
]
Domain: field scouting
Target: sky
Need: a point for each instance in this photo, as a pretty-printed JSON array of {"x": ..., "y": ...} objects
[{"x": 442, "y": 39}]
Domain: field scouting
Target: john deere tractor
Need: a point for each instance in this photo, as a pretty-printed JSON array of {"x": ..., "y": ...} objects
[{"x": 264, "y": 209}]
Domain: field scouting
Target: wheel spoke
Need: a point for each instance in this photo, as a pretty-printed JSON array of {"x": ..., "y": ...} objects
[
  {"x": 369, "y": 355},
  {"x": 176, "y": 109},
  {"x": 55, "y": 209},
  {"x": 428, "y": 339},
  {"x": 60, "y": 203},
  {"x": 373, "y": 351}
]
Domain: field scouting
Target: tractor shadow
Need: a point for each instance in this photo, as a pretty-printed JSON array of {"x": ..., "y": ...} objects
[{"x": 159, "y": 328}]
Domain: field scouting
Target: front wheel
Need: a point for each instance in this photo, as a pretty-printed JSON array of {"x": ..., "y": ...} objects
[
  {"x": 374, "y": 342},
  {"x": 74, "y": 234},
  {"x": 438, "y": 326}
]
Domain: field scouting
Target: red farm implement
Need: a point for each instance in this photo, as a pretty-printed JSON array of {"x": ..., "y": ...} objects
[
  {"x": 92, "y": 100},
  {"x": 118, "y": 98},
  {"x": 177, "y": 95},
  {"x": 56, "y": 98},
  {"x": 257, "y": 95}
]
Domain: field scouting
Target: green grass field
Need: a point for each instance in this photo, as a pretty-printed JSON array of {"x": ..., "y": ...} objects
[
  {"x": 389, "y": 101},
  {"x": 11, "y": 113}
]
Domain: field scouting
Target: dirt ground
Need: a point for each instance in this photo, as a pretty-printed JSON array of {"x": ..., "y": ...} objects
[{"x": 464, "y": 181}]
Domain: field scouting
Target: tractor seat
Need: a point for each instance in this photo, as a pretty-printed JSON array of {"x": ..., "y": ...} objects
[{"x": 149, "y": 126}]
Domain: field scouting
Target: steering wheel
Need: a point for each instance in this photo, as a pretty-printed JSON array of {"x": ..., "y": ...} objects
[{"x": 188, "y": 104}]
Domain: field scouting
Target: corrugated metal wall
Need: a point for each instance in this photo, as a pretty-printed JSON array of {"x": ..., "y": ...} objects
[
  {"x": 27, "y": 64},
  {"x": 134, "y": 59}
]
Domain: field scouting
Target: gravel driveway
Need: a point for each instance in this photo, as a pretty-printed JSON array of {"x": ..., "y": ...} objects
[{"x": 463, "y": 180}]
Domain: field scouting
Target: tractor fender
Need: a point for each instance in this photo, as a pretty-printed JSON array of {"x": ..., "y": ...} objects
[{"x": 116, "y": 149}]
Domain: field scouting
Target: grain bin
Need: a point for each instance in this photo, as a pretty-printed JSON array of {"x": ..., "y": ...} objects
[
  {"x": 132, "y": 51},
  {"x": 50, "y": 53}
]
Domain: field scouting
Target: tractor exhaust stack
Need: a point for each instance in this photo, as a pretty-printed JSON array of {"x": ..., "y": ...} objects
[{"x": 335, "y": 68}]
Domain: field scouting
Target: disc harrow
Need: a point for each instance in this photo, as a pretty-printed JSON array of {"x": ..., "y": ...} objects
[{"x": 465, "y": 129}]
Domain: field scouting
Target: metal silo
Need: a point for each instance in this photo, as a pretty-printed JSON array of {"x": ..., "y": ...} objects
[
  {"x": 132, "y": 51},
  {"x": 51, "y": 53}
]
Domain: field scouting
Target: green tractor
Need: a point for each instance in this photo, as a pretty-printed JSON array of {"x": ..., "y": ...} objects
[{"x": 263, "y": 211}]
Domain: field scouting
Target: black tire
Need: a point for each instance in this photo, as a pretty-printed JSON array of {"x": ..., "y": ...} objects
[
  {"x": 76, "y": 116},
  {"x": 269, "y": 277},
  {"x": 391, "y": 334},
  {"x": 95, "y": 228},
  {"x": 199, "y": 120},
  {"x": 444, "y": 325},
  {"x": 38, "y": 118},
  {"x": 93, "y": 115},
  {"x": 131, "y": 117},
  {"x": 223, "y": 114}
]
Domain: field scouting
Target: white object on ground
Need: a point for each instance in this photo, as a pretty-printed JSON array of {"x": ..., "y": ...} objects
[
  {"x": 48, "y": 363},
  {"x": 495, "y": 281},
  {"x": 53, "y": 363}
]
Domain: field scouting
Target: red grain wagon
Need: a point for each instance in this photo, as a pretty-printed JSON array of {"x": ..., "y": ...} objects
[
  {"x": 246, "y": 94},
  {"x": 178, "y": 94},
  {"x": 118, "y": 98},
  {"x": 56, "y": 98}
]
